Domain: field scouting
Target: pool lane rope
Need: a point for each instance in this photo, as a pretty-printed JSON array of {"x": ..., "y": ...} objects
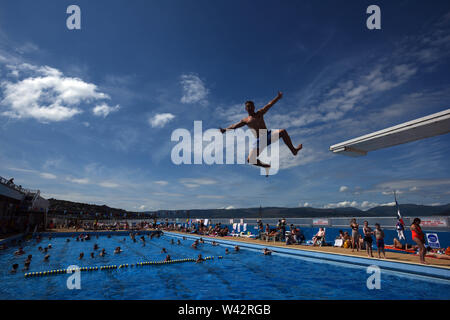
[{"x": 111, "y": 267}]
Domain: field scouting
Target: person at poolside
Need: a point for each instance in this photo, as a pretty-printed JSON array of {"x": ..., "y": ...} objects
[
  {"x": 167, "y": 258},
  {"x": 163, "y": 250},
  {"x": 404, "y": 246},
  {"x": 368, "y": 238},
  {"x": 236, "y": 248},
  {"x": 14, "y": 268},
  {"x": 320, "y": 235},
  {"x": 419, "y": 238},
  {"x": 199, "y": 259},
  {"x": 379, "y": 236},
  {"x": 19, "y": 252},
  {"x": 267, "y": 252},
  {"x": 355, "y": 235},
  {"x": 46, "y": 258}
]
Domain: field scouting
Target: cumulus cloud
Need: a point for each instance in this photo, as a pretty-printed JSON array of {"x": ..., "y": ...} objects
[
  {"x": 343, "y": 189},
  {"x": 45, "y": 94},
  {"x": 342, "y": 204},
  {"x": 160, "y": 120},
  {"x": 194, "y": 90},
  {"x": 162, "y": 182},
  {"x": 103, "y": 110}
]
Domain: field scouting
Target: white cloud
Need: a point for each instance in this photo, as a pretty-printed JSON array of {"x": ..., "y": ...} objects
[
  {"x": 194, "y": 89},
  {"x": 194, "y": 183},
  {"x": 160, "y": 119},
  {"x": 207, "y": 196},
  {"x": 342, "y": 204},
  {"x": 45, "y": 94},
  {"x": 78, "y": 180},
  {"x": 343, "y": 189},
  {"x": 103, "y": 110},
  {"x": 229, "y": 208},
  {"x": 306, "y": 204},
  {"x": 47, "y": 175},
  {"x": 161, "y": 182},
  {"x": 108, "y": 184}
]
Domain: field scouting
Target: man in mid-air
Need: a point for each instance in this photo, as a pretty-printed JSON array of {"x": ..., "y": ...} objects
[{"x": 255, "y": 121}]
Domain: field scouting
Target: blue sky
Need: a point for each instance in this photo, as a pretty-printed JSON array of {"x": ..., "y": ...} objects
[{"x": 87, "y": 115}]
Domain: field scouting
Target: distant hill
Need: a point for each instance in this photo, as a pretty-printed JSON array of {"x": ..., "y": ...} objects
[
  {"x": 268, "y": 212},
  {"x": 308, "y": 212}
]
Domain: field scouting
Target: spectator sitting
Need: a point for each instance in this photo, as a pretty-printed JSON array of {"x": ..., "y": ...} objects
[{"x": 320, "y": 235}]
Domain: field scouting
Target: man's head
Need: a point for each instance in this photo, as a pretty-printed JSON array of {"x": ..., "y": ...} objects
[{"x": 249, "y": 106}]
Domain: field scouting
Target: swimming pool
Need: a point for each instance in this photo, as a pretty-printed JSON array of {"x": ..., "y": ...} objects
[{"x": 243, "y": 275}]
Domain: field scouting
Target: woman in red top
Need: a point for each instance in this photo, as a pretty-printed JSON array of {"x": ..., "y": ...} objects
[{"x": 419, "y": 238}]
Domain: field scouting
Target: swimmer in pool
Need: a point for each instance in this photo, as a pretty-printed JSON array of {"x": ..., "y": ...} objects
[
  {"x": 81, "y": 256},
  {"x": 199, "y": 259},
  {"x": 267, "y": 252},
  {"x": 227, "y": 251},
  {"x": 19, "y": 252},
  {"x": 194, "y": 245},
  {"x": 178, "y": 241},
  {"x": 201, "y": 240},
  {"x": 163, "y": 250},
  {"x": 46, "y": 258},
  {"x": 236, "y": 248},
  {"x": 92, "y": 255},
  {"x": 172, "y": 241},
  {"x": 103, "y": 253},
  {"x": 95, "y": 246},
  {"x": 215, "y": 243},
  {"x": 14, "y": 268},
  {"x": 167, "y": 258},
  {"x": 117, "y": 250}
]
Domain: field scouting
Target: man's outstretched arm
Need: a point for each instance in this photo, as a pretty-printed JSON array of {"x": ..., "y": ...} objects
[
  {"x": 234, "y": 126},
  {"x": 266, "y": 108}
]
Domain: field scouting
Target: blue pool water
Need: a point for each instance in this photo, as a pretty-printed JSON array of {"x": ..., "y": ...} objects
[{"x": 244, "y": 275}]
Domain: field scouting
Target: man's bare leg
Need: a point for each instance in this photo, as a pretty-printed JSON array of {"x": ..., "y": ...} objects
[
  {"x": 287, "y": 140},
  {"x": 253, "y": 159}
]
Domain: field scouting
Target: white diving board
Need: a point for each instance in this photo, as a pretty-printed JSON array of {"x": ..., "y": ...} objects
[{"x": 425, "y": 127}]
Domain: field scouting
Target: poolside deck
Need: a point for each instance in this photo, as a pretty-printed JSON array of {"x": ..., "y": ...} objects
[{"x": 390, "y": 256}]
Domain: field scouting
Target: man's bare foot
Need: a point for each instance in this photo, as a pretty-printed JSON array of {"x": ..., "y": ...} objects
[{"x": 300, "y": 146}]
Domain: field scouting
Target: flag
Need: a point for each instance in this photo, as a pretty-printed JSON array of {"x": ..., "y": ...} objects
[{"x": 399, "y": 216}]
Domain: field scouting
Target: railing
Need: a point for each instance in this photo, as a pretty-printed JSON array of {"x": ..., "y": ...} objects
[{"x": 16, "y": 187}]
